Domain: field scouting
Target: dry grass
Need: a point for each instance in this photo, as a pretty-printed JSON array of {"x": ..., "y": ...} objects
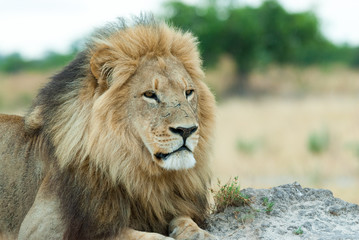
[
  {"x": 18, "y": 90},
  {"x": 291, "y": 80},
  {"x": 265, "y": 141},
  {"x": 229, "y": 194},
  {"x": 284, "y": 126},
  {"x": 288, "y": 80}
]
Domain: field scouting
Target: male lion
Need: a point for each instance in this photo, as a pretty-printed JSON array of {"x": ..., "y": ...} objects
[{"x": 115, "y": 146}]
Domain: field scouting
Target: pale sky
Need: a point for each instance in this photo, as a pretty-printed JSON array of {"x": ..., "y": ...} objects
[{"x": 33, "y": 27}]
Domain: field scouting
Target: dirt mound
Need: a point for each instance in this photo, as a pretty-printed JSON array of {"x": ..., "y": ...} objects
[{"x": 288, "y": 212}]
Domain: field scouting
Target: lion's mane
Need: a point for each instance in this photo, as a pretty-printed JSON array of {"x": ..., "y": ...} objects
[{"x": 98, "y": 169}]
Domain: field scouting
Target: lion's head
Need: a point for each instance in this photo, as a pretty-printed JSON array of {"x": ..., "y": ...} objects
[
  {"x": 133, "y": 99},
  {"x": 128, "y": 122},
  {"x": 164, "y": 112}
]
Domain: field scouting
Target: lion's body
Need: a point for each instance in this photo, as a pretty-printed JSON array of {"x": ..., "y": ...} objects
[
  {"x": 20, "y": 173},
  {"x": 101, "y": 153}
]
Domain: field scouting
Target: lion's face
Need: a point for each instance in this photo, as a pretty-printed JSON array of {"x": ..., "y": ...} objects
[{"x": 163, "y": 102}]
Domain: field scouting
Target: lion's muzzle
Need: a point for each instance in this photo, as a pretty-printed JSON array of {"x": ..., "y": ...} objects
[
  {"x": 179, "y": 160},
  {"x": 182, "y": 157}
]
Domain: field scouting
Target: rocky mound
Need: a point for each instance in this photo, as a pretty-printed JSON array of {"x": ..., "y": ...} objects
[{"x": 288, "y": 212}]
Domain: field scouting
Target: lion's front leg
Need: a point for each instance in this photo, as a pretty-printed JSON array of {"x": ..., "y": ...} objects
[
  {"x": 43, "y": 221},
  {"x": 131, "y": 234},
  {"x": 182, "y": 228}
]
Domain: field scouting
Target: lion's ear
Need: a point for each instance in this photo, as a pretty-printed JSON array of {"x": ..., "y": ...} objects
[{"x": 102, "y": 63}]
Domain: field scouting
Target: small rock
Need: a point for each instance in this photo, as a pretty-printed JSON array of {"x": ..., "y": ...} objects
[{"x": 335, "y": 210}]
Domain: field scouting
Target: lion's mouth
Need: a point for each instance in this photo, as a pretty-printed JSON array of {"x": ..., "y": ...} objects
[{"x": 164, "y": 156}]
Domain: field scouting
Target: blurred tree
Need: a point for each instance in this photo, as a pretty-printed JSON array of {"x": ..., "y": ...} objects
[
  {"x": 12, "y": 63},
  {"x": 355, "y": 59},
  {"x": 243, "y": 41},
  {"x": 286, "y": 34},
  {"x": 251, "y": 36},
  {"x": 204, "y": 22},
  {"x": 255, "y": 36},
  {"x": 51, "y": 60}
]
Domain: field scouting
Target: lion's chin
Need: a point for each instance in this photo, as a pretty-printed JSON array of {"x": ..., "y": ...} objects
[{"x": 180, "y": 160}]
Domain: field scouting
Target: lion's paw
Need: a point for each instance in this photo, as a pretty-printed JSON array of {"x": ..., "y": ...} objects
[
  {"x": 192, "y": 234},
  {"x": 155, "y": 236},
  {"x": 131, "y": 234}
]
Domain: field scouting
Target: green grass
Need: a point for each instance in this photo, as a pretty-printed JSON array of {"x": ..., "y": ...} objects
[
  {"x": 318, "y": 141},
  {"x": 269, "y": 205},
  {"x": 299, "y": 231},
  {"x": 228, "y": 195}
]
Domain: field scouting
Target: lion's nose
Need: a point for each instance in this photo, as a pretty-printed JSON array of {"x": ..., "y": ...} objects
[{"x": 184, "y": 132}]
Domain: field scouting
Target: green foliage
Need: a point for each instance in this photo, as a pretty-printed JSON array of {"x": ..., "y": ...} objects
[
  {"x": 14, "y": 63},
  {"x": 52, "y": 60},
  {"x": 229, "y": 195},
  {"x": 243, "y": 35},
  {"x": 256, "y": 36},
  {"x": 204, "y": 23},
  {"x": 355, "y": 58},
  {"x": 269, "y": 205},
  {"x": 299, "y": 231},
  {"x": 252, "y": 36},
  {"x": 318, "y": 141}
]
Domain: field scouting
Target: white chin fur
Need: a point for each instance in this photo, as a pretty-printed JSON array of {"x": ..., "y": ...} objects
[{"x": 179, "y": 161}]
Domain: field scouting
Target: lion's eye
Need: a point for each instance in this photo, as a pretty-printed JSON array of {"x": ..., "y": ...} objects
[
  {"x": 189, "y": 92},
  {"x": 151, "y": 94}
]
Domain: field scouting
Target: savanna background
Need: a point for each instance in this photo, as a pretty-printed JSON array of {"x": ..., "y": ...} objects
[{"x": 288, "y": 95}]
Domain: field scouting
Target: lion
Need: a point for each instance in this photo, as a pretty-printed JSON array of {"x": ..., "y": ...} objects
[{"x": 116, "y": 145}]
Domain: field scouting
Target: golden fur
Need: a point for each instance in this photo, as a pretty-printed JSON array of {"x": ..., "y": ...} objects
[{"x": 99, "y": 137}]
